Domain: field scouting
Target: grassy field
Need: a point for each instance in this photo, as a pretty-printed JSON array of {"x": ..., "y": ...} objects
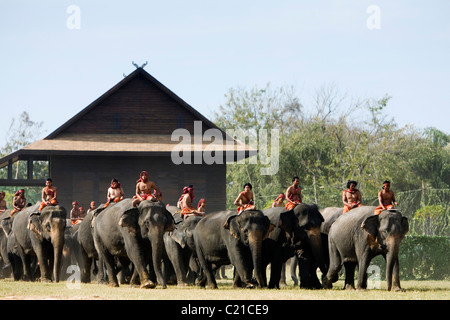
[{"x": 414, "y": 290}]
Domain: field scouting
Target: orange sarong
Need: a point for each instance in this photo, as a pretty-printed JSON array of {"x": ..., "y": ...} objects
[
  {"x": 246, "y": 207},
  {"x": 116, "y": 199},
  {"x": 44, "y": 204},
  {"x": 77, "y": 221},
  {"x": 292, "y": 205},
  {"x": 347, "y": 208},
  {"x": 380, "y": 209},
  {"x": 187, "y": 210}
]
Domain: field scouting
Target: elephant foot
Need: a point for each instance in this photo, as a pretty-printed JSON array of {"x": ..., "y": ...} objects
[
  {"x": 147, "y": 285},
  {"x": 212, "y": 286},
  {"x": 113, "y": 284},
  {"x": 398, "y": 289},
  {"x": 327, "y": 284},
  {"x": 182, "y": 284},
  {"x": 46, "y": 280},
  {"x": 249, "y": 285},
  {"x": 349, "y": 286}
]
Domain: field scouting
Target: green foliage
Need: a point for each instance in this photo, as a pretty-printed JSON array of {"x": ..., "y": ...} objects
[
  {"x": 32, "y": 194},
  {"x": 421, "y": 258},
  {"x": 21, "y": 133},
  {"x": 331, "y": 141},
  {"x": 428, "y": 211}
]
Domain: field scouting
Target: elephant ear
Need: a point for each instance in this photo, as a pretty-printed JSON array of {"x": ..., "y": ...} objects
[
  {"x": 170, "y": 223},
  {"x": 232, "y": 225},
  {"x": 35, "y": 225},
  {"x": 6, "y": 226},
  {"x": 371, "y": 225},
  {"x": 129, "y": 219},
  {"x": 269, "y": 229},
  {"x": 179, "y": 237},
  {"x": 286, "y": 221}
]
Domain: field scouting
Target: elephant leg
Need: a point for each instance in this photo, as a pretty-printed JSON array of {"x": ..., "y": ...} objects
[
  {"x": 363, "y": 264},
  {"x": 132, "y": 247},
  {"x": 100, "y": 266},
  {"x": 276, "y": 268},
  {"x": 157, "y": 244},
  {"x": 237, "y": 281},
  {"x": 242, "y": 267},
  {"x": 304, "y": 270},
  {"x": 396, "y": 277},
  {"x": 85, "y": 267},
  {"x": 48, "y": 252},
  {"x": 176, "y": 258},
  {"x": 335, "y": 267},
  {"x": 108, "y": 259},
  {"x": 26, "y": 264},
  {"x": 349, "y": 275},
  {"x": 294, "y": 264},
  {"x": 283, "y": 274},
  {"x": 43, "y": 263},
  {"x": 206, "y": 267}
]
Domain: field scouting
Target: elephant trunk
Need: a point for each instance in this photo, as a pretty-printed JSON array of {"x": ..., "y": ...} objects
[
  {"x": 157, "y": 242},
  {"x": 255, "y": 242},
  {"x": 315, "y": 240},
  {"x": 57, "y": 240},
  {"x": 392, "y": 267}
]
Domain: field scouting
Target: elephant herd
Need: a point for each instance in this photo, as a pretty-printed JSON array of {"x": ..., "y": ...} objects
[{"x": 150, "y": 244}]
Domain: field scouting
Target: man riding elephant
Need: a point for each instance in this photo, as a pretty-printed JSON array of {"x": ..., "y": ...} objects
[
  {"x": 144, "y": 189},
  {"x": 351, "y": 197},
  {"x": 293, "y": 194},
  {"x": 49, "y": 195}
]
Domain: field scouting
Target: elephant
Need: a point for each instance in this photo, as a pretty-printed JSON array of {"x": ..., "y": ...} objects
[
  {"x": 358, "y": 236},
  {"x": 225, "y": 237},
  {"x": 87, "y": 254},
  {"x": 5, "y": 229},
  {"x": 133, "y": 233},
  {"x": 180, "y": 247},
  {"x": 40, "y": 234},
  {"x": 297, "y": 233},
  {"x": 330, "y": 214}
]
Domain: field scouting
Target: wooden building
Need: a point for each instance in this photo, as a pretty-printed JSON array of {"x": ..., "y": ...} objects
[{"x": 125, "y": 131}]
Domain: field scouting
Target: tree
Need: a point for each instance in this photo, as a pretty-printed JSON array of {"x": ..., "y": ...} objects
[
  {"x": 21, "y": 133},
  {"x": 331, "y": 141},
  {"x": 256, "y": 109}
]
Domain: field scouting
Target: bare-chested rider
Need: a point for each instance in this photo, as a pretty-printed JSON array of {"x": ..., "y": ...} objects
[
  {"x": 49, "y": 195},
  {"x": 293, "y": 194},
  {"x": 244, "y": 200},
  {"x": 351, "y": 197},
  {"x": 144, "y": 189},
  {"x": 115, "y": 192},
  {"x": 386, "y": 198}
]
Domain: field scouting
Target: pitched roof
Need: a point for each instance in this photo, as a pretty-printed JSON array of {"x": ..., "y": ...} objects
[
  {"x": 133, "y": 76},
  {"x": 74, "y": 136}
]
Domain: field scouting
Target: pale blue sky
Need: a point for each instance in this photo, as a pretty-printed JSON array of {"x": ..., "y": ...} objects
[{"x": 200, "y": 49}]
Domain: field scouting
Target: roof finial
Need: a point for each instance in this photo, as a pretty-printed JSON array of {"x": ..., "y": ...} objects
[{"x": 137, "y": 66}]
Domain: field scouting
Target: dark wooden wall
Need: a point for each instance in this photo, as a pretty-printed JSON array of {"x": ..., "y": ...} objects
[
  {"x": 138, "y": 107},
  {"x": 84, "y": 179}
]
